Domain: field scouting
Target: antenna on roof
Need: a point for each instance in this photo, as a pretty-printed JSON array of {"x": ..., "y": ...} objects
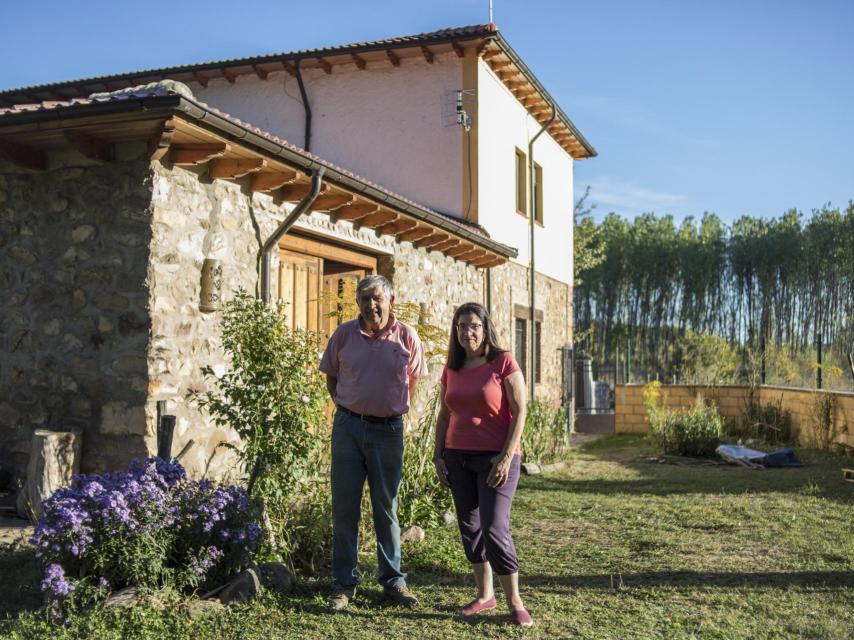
[{"x": 490, "y": 11}]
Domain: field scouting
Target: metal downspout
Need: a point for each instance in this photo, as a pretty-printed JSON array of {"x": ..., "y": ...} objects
[
  {"x": 273, "y": 241},
  {"x": 532, "y": 317},
  {"x": 305, "y": 104}
]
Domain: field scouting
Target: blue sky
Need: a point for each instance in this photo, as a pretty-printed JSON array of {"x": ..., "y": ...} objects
[{"x": 732, "y": 107}]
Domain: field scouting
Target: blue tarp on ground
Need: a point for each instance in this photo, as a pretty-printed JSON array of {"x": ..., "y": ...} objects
[{"x": 780, "y": 458}]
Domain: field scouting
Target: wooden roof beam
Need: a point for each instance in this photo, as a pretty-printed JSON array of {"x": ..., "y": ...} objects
[
  {"x": 228, "y": 75},
  {"x": 158, "y": 144},
  {"x": 296, "y": 192},
  {"x": 261, "y": 73},
  {"x": 489, "y": 261},
  {"x": 491, "y": 53},
  {"x": 201, "y": 78},
  {"x": 458, "y": 49},
  {"x": 462, "y": 248},
  {"x": 393, "y": 228},
  {"x": 431, "y": 240},
  {"x": 193, "y": 154},
  {"x": 393, "y": 57},
  {"x": 377, "y": 218},
  {"x": 90, "y": 146},
  {"x": 327, "y": 67},
  {"x": 354, "y": 211},
  {"x": 23, "y": 155},
  {"x": 482, "y": 47},
  {"x": 428, "y": 54},
  {"x": 472, "y": 255},
  {"x": 229, "y": 169},
  {"x": 359, "y": 61},
  {"x": 332, "y": 201},
  {"x": 445, "y": 245},
  {"x": 288, "y": 66},
  {"x": 498, "y": 65},
  {"x": 267, "y": 181},
  {"x": 414, "y": 234}
]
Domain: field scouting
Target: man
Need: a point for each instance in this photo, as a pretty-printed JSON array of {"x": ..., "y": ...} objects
[{"x": 371, "y": 366}]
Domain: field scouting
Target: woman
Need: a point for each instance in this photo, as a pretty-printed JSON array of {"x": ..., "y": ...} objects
[{"x": 477, "y": 453}]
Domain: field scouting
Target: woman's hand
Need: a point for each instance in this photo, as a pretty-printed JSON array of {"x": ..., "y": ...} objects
[
  {"x": 441, "y": 472},
  {"x": 500, "y": 471}
]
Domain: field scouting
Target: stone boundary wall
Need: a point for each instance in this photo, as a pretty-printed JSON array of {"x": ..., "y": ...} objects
[{"x": 731, "y": 401}]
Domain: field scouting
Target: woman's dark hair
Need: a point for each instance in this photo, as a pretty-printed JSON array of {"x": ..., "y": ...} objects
[{"x": 456, "y": 353}]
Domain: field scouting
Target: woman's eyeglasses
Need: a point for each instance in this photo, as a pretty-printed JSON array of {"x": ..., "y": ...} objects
[{"x": 465, "y": 328}]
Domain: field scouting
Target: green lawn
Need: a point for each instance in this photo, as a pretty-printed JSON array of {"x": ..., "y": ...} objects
[{"x": 613, "y": 547}]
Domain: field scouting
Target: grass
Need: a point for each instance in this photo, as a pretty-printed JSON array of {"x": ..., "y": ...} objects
[{"x": 613, "y": 547}]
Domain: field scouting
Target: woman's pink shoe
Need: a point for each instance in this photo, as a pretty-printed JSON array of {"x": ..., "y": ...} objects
[
  {"x": 521, "y": 617},
  {"x": 475, "y": 606}
]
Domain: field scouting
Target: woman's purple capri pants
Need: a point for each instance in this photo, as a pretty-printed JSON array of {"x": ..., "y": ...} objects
[{"x": 483, "y": 513}]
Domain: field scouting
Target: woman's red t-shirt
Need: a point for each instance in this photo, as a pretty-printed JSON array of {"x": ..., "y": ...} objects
[{"x": 477, "y": 401}]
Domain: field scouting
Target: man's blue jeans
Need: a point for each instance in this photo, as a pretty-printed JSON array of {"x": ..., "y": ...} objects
[{"x": 374, "y": 451}]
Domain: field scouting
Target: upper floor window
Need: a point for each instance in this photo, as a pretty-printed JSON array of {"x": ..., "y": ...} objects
[
  {"x": 538, "y": 193},
  {"x": 521, "y": 183}
]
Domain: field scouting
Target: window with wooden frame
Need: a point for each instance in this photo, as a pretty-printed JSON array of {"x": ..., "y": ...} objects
[
  {"x": 538, "y": 193},
  {"x": 521, "y": 183},
  {"x": 521, "y": 320},
  {"x": 317, "y": 281}
]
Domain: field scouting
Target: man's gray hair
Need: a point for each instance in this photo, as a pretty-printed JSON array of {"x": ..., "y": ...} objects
[{"x": 369, "y": 282}]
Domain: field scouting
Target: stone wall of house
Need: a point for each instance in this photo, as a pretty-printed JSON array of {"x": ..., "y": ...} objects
[
  {"x": 731, "y": 401},
  {"x": 74, "y": 243},
  {"x": 194, "y": 218},
  {"x": 510, "y": 284}
]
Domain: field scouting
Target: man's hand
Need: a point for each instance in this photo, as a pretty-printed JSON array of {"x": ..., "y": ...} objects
[
  {"x": 500, "y": 471},
  {"x": 441, "y": 472}
]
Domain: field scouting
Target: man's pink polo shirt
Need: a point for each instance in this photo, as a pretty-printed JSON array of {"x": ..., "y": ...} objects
[{"x": 373, "y": 371}]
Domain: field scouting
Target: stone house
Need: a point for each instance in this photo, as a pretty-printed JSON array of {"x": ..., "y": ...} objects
[{"x": 131, "y": 204}]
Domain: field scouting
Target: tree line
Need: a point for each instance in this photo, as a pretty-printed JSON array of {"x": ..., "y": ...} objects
[{"x": 787, "y": 281}]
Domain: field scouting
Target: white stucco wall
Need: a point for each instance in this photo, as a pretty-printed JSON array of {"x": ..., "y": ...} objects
[
  {"x": 392, "y": 125},
  {"x": 503, "y": 126}
]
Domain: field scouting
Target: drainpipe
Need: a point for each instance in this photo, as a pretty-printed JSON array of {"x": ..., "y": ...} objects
[
  {"x": 305, "y": 104},
  {"x": 532, "y": 319},
  {"x": 273, "y": 241}
]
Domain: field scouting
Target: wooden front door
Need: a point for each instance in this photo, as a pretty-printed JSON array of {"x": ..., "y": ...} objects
[{"x": 299, "y": 288}]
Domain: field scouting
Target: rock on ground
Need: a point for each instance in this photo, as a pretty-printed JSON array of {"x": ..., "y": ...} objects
[
  {"x": 242, "y": 588},
  {"x": 412, "y": 533},
  {"x": 276, "y": 576}
]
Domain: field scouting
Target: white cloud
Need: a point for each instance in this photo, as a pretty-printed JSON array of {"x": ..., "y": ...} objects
[{"x": 629, "y": 199}]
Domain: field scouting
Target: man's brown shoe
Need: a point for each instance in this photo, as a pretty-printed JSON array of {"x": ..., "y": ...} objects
[
  {"x": 400, "y": 596},
  {"x": 341, "y": 597}
]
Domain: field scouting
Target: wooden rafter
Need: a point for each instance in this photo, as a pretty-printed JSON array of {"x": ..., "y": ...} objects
[
  {"x": 393, "y": 228},
  {"x": 296, "y": 192},
  {"x": 191, "y": 154},
  {"x": 491, "y": 53},
  {"x": 428, "y": 55},
  {"x": 261, "y": 73},
  {"x": 201, "y": 78},
  {"x": 229, "y": 75},
  {"x": 378, "y": 218},
  {"x": 90, "y": 146},
  {"x": 354, "y": 211},
  {"x": 359, "y": 60},
  {"x": 289, "y": 67},
  {"x": 447, "y": 244},
  {"x": 524, "y": 91},
  {"x": 463, "y": 247},
  {"x": 414, "y": 234},
  {"x": 331, "y": 201},
  {"x": 230, "y": 169},
  {"x": 498, "y": 65},
  {"x": 458, "y": 49},
  {"x": 489, "y": 261},
  {"x": 327, "y": 67},
  {"x": 482, "y": 47},
  {"x": 431, "y": 240},
  {"x": 267, "y": 181},
  {"x": 395, "y": 59},
  {"x": 472, "y": 255},
  {"x": 158, "y": 144},
  {"x": 23, "y": 155},
  {"x": 514, "y": 83}
]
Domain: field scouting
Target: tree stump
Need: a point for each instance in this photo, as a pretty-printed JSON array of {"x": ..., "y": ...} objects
[{"x": 54, "y": 459}]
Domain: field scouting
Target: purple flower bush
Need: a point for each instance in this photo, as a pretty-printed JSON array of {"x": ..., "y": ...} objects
[{"x": 149, "y": 526}]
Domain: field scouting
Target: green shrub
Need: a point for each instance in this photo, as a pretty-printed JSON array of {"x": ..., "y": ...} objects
[
  {"x": 546, "y": 436},
  {"x": 695, "y": 432},
  {"x": 767, "y": 422}
]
